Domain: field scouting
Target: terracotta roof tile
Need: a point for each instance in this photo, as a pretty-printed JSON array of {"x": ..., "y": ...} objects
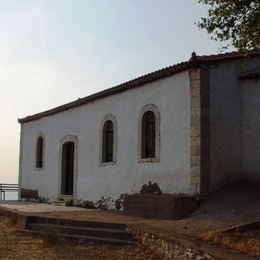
[
  {"x": 228, "y": 56},
  {"x": 162, "y": 73}
]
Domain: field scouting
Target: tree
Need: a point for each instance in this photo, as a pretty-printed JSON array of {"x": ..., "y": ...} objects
[{"x": 235, "y": 21}]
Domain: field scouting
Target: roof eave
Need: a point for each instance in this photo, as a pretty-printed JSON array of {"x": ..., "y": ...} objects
[
  {"x": 163, "y": 73},
  {"x": 194, "y": 62}
]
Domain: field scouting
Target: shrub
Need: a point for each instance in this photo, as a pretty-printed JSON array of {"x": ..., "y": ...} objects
[
  {"x": 87, "y": 204},
  {"x": 119, "y": 203},
  {"x": 104, "y": 203}
]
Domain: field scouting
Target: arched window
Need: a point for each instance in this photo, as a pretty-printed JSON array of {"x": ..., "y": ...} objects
[
  {"x": 108, "y": 142},
  {"x": 39, "y": 152},
  {"x": 148, "y": 148},
  {"x": 148, "y": 135}
]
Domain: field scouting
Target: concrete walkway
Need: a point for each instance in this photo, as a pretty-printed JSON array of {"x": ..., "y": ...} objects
[
  {"x": 76, "y": 213},
  {"x": 33, "y": 207}
]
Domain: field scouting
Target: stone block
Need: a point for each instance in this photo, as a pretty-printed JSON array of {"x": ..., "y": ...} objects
[
  {"x": 195, "y": 120},
  {"x": 195, "y": 102},
  {"x": 160, "y": 206},
  {"x": 195, "y": 111},
  {"x": 195, "y": 160},
  {"x": 195, "y": 130},
  {"x": 195, "y": 150},
  {"x": 194, "y": 179},
  {"x": 195, "y": 140},
  {"x": 195, "y": 170},
  {"x": 195, "y": 85},
  {"x": 194, "y": 74},
  {"x": 195, "y": 92}
]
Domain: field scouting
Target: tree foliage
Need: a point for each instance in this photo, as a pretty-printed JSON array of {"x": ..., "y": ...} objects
[{"x": 235, "y": 21}]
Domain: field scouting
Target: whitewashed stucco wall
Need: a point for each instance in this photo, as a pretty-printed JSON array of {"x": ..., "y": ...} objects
[
  {"x": 170, "y": 95},
  {"x": 233, "y": 145}
]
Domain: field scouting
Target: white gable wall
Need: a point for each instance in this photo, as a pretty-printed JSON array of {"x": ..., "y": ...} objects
[{"x": 170, "y": 95}]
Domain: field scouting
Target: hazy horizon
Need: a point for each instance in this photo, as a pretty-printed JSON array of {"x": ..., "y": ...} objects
[{"x": 53, "y": 52}]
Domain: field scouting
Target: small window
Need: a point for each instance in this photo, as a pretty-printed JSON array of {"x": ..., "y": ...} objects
[
  {"x": 148, "y": 135},
  {"x": 108, "y": 142},
  {"x": 39, "y": 152}
]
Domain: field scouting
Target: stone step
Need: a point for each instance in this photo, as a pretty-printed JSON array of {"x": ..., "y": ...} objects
[
  {"x": 87, "y": 238},
  {"x": 65, "y": 198},
  {"x": 75, "y": 223},
  {"x": 59, "y": 203},
  {"x": 83, "y": 231}
]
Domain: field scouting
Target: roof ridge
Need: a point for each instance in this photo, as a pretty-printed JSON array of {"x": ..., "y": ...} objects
[{"x": 227, "y": 55}]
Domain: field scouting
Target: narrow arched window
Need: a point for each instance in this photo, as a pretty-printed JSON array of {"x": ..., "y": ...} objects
[
  {"x": 108, "y": 141},
  {"x": 148, "y": 135},
  {"x": 39, "y": 152}
]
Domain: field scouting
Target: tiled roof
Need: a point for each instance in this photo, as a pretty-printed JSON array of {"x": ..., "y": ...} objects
[
  {"x": 162, "y": 73},
  {"x": 228, "y": 56}
]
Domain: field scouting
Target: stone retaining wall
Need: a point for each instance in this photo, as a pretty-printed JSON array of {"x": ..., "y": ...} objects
[{"x": 169, "y": 249}]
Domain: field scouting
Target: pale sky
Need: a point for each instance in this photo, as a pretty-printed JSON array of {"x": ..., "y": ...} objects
[{"x": 55, "y": 51}]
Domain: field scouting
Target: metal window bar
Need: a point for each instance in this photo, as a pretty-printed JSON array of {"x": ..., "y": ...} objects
[
  {"x": 5, "y": 187},
  {"x": 149, "y": 132}
]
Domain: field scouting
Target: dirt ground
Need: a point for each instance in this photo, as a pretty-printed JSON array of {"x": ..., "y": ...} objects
[
  {"x": 15, "y": 245},
  {"x": 244, "y": 242},
  {"x": 231, "y": 206}
]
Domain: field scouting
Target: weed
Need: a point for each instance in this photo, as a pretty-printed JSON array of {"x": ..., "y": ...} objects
[
  {"x": 7, "y": 222},
  {"x": 245, "y": 242},
  {"x": 50, "y": 236}
]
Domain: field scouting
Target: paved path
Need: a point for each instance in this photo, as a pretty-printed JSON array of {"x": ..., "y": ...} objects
[{"x": 33, "y": 207}]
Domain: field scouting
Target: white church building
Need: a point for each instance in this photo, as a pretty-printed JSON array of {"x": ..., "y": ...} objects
[{"x": 191, "y": 128}]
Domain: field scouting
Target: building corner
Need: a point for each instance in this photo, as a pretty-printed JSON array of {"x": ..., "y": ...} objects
[
  {"x": 20, "y": 162},
  {"x": 199, "y": 179}
]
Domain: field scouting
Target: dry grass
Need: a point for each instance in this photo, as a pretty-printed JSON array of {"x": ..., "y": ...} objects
[
  {"x": 16, "y": 245},
  {"x": 49, "y": 236},
  {"x": 243, "y": 242}
]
